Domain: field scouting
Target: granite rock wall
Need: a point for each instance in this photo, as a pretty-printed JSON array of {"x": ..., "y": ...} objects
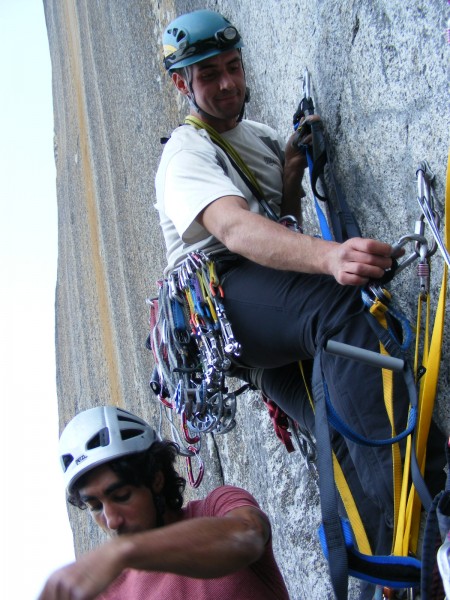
[{"x": 379, "y": 74}]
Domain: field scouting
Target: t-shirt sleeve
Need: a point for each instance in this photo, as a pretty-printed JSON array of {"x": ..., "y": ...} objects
[
  {"x": 226, "y": 498},
  {"x": 193, "y": 180}
]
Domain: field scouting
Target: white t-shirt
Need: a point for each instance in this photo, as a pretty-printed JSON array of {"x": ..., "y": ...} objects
[{"x": 194, "y": 172}]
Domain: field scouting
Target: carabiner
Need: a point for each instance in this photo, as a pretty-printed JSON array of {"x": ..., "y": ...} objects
[
  {"x": 194, "y": 481},
  {"x": 187, "y": 431},
  {"x": 412, "y": 237},
  {"x": 425, "y": 200}
]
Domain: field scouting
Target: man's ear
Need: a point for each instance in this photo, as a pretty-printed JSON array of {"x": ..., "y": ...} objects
[
  {"x": 158, "y": 483},
  {"x": 180, "y": 83}
]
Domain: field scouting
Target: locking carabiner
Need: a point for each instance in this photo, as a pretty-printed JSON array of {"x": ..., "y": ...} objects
[{"x": 411, "y": 237}]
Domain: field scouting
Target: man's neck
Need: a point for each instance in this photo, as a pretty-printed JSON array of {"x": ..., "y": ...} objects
[
  {"x": 220, "y": 125},
  {"x": 172, "y": 516}
]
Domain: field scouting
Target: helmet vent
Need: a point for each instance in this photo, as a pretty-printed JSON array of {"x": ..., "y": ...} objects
[
  {"x": 127, "y": 434},
  {"x": 181, "y": 35},
  {"x": 67, "y": 459},
  {"x": 178, "y": 34},
  {"x": 100, "y": 439},
  {"x": 127, "y": 419}
]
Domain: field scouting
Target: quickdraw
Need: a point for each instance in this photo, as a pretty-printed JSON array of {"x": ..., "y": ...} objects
[
  {"x": 193, "y": 343},
  {"x": 337, "y": 221}
]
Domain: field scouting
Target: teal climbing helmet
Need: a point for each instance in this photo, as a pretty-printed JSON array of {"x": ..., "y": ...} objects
[{"x": 197, "y": 35}]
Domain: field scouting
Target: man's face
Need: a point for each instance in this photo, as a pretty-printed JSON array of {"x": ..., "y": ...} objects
[
  {"x": 118, "y": 508},
  {"x": 219, "y": 85}
]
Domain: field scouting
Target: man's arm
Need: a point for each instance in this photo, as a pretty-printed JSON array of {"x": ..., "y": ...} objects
[
  {"x": 294, "y": 168},
  {"x": 205, "y": 547},
  {"x": 267, "y": 243},
  {"x": 295, "y": 163}
]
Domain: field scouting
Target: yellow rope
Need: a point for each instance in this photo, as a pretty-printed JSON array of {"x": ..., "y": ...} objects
[{"x": 227, "y": 147}]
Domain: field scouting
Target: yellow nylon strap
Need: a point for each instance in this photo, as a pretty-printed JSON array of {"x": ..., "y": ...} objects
[
  {"x": 378, "y": 310},
  {"x": 190, "y": 301},
  {"x": 406, "y": 540},
  {"x": 213, "y": 278},
  {"x": 413, "y": 508},
  {"x": 227, "y": 147},
  {"x": 305, "y": 381},
  {"x": 428, "y": 387},
  {"x": 345, "y": 493},
  {"x": 204, "y": 285},
  {"x": 426, "y": 334},
  {"x": 351, "y": 509},
  {"x": 428, "y": 383},
  {"x": 404, "y": 522}
]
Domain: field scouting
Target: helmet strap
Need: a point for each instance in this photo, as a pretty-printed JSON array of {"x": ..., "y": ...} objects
[
  {"x": 191, "y": 95},
  {"x": 246, "y": 99}
]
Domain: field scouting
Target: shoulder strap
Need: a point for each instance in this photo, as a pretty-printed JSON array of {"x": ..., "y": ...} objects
[{"x": 237, "y": 161}]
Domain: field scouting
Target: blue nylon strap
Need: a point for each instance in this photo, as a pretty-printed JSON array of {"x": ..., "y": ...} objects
[
  {"x": 340, "y": 426},
  {"x": 335, "y": 534},
  {"x": 324, "y": 227},
  {"x": 343, "y": 220},
  {"x": 331, "y": 523},
  {"x": 178, "y": 315},
  {"x": 394, "y": 350},
  {"x": 418, "y": 480}
]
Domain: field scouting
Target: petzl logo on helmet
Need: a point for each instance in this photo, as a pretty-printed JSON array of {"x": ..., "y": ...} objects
[{"x": 80, "y": 459}]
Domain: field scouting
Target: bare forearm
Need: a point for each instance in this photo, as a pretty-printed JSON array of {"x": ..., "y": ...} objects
[
  {"x": 268, "y": 243},
  {"x": 202, "y": 548},
  {"x": 214, "y": 548},
  {"x": 272, "y": 245},
  {"x": 292, "y": 193}
]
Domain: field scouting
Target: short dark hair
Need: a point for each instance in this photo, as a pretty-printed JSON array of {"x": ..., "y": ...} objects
[{"x": 140, "y": 469}]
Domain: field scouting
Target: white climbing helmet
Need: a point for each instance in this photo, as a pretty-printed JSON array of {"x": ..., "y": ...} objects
[{"x": 99, "y": 435}]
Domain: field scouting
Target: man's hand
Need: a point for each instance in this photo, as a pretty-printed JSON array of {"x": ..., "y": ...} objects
[
  {"x": 295, "y": 163},
  {"x": 358, "y": 260},
  {"x": 86, "y": 578},
  {"x": 295, "y": 157}
]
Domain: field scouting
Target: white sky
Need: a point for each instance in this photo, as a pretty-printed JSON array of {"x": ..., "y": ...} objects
[{"x": 35, "y": 532}]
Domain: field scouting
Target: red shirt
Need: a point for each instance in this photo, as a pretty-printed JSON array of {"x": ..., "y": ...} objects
[{"x": 261, "y": 580}]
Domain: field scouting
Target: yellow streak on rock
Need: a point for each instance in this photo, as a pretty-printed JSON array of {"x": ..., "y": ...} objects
[{"x": 104, "y": 310}]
